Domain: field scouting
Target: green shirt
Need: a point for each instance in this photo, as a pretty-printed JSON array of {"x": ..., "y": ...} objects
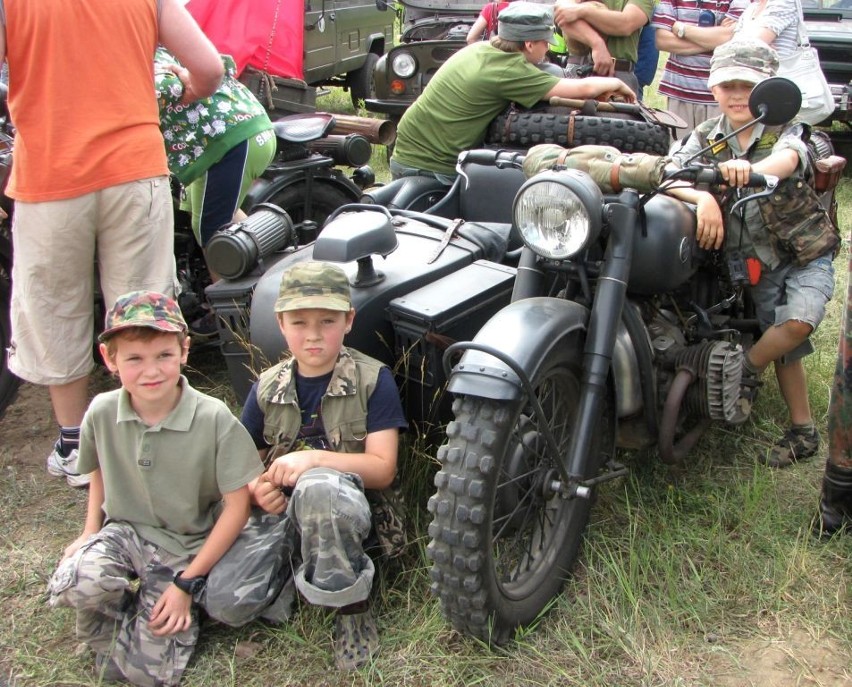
[
  {"x": 199, "y": 134},
  {"x": 167, "y": 481},
  {"x": 467, "y": 92},
  {"x": 620, "y": 47}
]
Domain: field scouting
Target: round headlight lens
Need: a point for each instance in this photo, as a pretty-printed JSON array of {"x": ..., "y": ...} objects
[
  {"x": 404, "y": 65},
  {"x": 553, "y": 220}
]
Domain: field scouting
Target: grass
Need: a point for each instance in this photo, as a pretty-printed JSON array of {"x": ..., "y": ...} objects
[{"x": 707, "y": 577}]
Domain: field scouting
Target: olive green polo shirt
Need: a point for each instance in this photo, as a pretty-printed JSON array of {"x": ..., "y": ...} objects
[{"x": 167, "y": 480}]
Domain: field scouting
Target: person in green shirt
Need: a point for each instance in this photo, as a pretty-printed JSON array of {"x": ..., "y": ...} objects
[{"x": 477, "y": 83}]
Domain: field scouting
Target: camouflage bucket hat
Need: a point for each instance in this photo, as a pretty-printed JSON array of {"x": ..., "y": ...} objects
[
  {"x": 143, "y": 309},
  {"x": 313, "y": 285},
  {"x": 742, "y": 59}
]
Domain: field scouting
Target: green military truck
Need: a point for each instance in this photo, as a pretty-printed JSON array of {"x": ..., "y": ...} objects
[{"x": 285, "y": 49}]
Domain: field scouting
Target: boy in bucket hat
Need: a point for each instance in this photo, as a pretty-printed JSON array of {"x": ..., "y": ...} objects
[
  {"x": 785, "y": 240},
  {"x": 326, "y": 422},
  {"x": 477, "y": 83},
  {"x": 168, "y": 495}
]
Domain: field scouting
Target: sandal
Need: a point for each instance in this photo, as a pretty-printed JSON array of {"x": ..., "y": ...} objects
[
  {"x": 798, "y": 443},
  {"x": 356, "y": 638}
]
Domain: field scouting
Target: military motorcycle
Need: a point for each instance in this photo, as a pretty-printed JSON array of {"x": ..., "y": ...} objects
[
  {"x": 563, "y": 321},
  {"x": 621, "y": 333}
]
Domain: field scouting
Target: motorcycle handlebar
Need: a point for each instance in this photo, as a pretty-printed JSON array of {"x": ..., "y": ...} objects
[
  {"x": 711, "y": 175},
  {"x": 484, "y": 156}
]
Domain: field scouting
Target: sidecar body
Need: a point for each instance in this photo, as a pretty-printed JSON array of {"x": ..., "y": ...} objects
[{"x": 430, "y": 280}]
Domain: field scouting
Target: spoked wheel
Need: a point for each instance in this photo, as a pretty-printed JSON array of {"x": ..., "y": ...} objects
[
  {"x": 324, "y": 199},
  {"x": 502, "y": 539}
]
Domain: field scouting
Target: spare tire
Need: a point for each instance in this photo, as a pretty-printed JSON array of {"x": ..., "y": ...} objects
[{"x": 522, "y": 129}]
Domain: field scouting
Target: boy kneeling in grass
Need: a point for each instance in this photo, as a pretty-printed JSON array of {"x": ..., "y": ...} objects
[
  {"x": 170, "y": 469},
  {"x": 326, "y": 421},
  {"x": 786, "y": 238}
]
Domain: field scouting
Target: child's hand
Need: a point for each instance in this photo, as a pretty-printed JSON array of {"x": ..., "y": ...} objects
[
  {"x": 171, "y": 613},
  {"x": 75, "y": 545},
  {"x": 735, "y": 172},
  {"x": 710, "y": 229},
  {"x": 269, "y": 496},
  {"x": 285, "y": 470}
]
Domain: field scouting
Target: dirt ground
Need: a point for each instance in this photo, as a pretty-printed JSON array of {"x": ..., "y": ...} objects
[{"x": 27, "y": 433}]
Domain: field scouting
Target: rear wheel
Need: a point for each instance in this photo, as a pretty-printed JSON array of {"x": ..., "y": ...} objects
[
  {"x": 502, "y": 540},
  {"x": 323, "y": 199}
]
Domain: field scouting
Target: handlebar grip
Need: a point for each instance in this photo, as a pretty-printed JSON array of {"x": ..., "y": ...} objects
[
  {"x": 486, "y": 156},
  {"x": 711, "y": 175}
]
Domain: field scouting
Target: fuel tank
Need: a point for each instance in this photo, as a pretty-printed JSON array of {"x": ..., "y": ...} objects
[{"x": 665, "y": 253}]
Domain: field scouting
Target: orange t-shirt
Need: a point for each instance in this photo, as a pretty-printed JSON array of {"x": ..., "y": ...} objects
[{"x": 81, "y": 96}]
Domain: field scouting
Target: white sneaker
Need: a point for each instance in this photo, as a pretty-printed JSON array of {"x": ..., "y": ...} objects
[{"x": 66, "y": 466}]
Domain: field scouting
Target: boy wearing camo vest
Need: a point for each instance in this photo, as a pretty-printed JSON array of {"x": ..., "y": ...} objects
[
  {"x": 326, "y": 422},
  {"x": 168, "y": 495},
  {"x": 786, "y": 240}
]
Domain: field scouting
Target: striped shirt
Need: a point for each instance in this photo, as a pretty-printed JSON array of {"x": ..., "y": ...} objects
[
  {"x": 685, "y": 76},
  {"x": 779, "y": 16}
]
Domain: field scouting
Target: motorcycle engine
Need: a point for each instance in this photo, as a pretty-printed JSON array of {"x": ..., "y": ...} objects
[{"x": 717, "y": 366}]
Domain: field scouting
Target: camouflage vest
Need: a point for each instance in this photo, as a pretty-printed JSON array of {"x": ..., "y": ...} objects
[
  {"x": 344, "y": 405},
  {"x": 797, "y": 224}
]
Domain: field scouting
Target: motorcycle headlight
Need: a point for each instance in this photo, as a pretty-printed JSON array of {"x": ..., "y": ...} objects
[
  {"x": 558, "y": 214},
  {"x": 404, "y": 65}
]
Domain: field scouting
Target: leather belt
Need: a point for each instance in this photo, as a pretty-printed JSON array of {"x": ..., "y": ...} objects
[{"x": 620, "y": 65}]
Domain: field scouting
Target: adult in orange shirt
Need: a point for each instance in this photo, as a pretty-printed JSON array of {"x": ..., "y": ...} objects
[{"x": 90, "y": 179}]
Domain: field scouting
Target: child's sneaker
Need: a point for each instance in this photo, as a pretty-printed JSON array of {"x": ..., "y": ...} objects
[
  {"x": 356, "y": 638},
  {"x": 798, "y": 443},
  {"x": 66, "y": 466}
]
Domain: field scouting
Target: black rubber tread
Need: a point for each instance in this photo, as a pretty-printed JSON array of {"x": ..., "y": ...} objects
[
  {"x": 526, "y": 129},
  {"x": 362, "y": 81},
  {"x": 464, "y": 575},
  {"x": 325, "y": 199}
]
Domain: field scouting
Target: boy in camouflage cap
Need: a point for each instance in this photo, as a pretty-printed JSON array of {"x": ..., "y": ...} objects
[
  {"x": 326, "y": 422},
  {"x": 169, "y": 471},
  {"x": 786, "y": 239}
]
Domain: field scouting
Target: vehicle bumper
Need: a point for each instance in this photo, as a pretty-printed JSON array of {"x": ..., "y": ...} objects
[{"x": 391, "y": 107}]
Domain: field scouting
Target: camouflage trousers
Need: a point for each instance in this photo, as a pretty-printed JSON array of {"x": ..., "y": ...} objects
[
  {"x": 113, "y": 581},
  {"x": 840, "y": 405},
  {"x": 316, "y": 546}
]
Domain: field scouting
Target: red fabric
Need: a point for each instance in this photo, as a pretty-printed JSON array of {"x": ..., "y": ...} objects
[{"x": 241, "y": 29}]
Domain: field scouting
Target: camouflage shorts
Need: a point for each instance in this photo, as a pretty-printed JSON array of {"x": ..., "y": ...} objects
[
  {"x": 113, "y": 581},
  {"x": 317, "y": 545}
]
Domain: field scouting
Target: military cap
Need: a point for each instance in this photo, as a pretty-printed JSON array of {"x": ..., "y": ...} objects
[
  {"x": 526, "y": 21},
  {"x": 313, "y": 285},
  {"x": 143, "y": 309},
  {"x": 742, "y": 59}
]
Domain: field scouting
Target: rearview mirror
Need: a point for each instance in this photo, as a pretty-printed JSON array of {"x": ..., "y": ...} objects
[{"x": 777, "y": 99}]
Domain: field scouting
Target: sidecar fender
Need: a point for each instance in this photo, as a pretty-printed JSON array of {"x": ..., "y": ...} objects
[{"x": 524, "y": 331}]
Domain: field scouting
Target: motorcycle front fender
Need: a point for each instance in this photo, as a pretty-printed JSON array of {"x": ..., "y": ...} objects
[{"x": 525, "y": 331}]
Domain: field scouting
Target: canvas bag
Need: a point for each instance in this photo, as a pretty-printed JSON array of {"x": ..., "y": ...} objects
[{"x": 802, "y": 68}]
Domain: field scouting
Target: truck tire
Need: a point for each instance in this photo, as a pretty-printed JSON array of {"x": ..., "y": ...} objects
[
  {"x": 529, "y": 128},
  {"x": 362, "y": 84}
]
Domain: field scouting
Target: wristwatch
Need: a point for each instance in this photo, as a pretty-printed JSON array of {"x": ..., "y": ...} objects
[
  {"x": 189, "y": 585},
  {"x": 681, "y": 30}
]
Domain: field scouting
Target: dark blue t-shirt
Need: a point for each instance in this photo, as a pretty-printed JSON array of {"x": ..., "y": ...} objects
[{"x": 384, "y": 410}]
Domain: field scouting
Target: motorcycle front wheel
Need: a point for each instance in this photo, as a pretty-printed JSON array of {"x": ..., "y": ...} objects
[{"x": 502, "y": 540}]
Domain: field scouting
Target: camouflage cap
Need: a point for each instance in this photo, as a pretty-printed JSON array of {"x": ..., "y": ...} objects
[
  {"x": 143, "y": 309},
  {"x": 526, "y": 21},
  {"x": 313, "y": 285},
  {"x": 742, "y": 59}
]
